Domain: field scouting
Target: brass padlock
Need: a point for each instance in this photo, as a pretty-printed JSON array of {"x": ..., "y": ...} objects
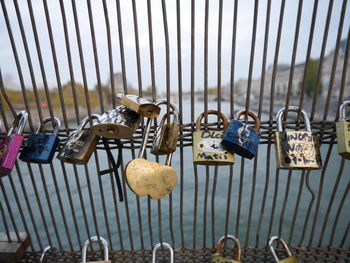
[
  {"x": 217, "y": 258},
  {"x": 150, "y": 178},
  {"x": 167, "y": 134},
  {"x": 105, "y": 249},
  {"x": 297, "y": 149},
  {"x": 159, "y": 246},
  {"x": 140, "y": 105},
  {"x": 289, "y": 259},
  {"x": 343, "y": 132},
  {"x": 43, "y": 256},
  {"x": 207, "y": 147}
]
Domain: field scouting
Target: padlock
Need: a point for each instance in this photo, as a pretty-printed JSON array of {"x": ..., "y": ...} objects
[
  {"x": 105, "y": 249},
  {"x": 217, "y": 258},
  {"x": 207, "y": 147},
  {"x": 11, "y": 144},
  {"x": 242, "y": 139},
  {"x": 289, "y": 259},
  {"x": 297, "y": 149},
  {"x": 150, "y": 178},
  {"x": 80, "y": 144},
  {"x": 140, "y": 105},
  {"x": 41, "y": 147},
  {"x": 43, "y": 256},
  {"x": 343, "y": 132},
  {"x": 159, "y": 246},
  {"x": 118, "y": 123},
  {"x": 166, "y": 135}
]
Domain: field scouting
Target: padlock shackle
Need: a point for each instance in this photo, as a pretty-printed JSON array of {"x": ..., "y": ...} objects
[
  {"x": 91, "y": 240},
  {"x": 342, "y": 112},
  {"x": 87, "y": 119},
  {"x": 145, "y": 138},
  {"x": 211, "y": 112},
  {"x": 19, "y": 123},
  {"x": 251, "y": 114},
  {"x": 280, "y": 115},
  {"x": 237, "y": 245},
  {"x": 161, "y": 245},
  {"x": 43, "y": 254},
  {"x": 56, "y": 127},
  {"x": 272, "y": 250}
]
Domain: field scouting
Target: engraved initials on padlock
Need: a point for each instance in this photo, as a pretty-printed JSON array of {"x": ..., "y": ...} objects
[
  {"x": 343, "y": 132},
  {"x": 217, "y": 258},
  {"x": 289, "y": 259}
]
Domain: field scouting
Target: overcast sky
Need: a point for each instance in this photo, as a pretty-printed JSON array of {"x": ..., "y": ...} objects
[{"x": 243, "y": 46}]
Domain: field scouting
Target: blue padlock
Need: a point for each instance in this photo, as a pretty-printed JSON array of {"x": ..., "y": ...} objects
[
  {"x": 41, "y": 147},
  {"x": 242, "y": 139}
]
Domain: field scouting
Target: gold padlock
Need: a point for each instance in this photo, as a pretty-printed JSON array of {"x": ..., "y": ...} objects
[
  {"x": 105, "y": 249},
  {"x": 297, "y": 149},
  {"x": 207, "y": 147},
  {"x": 140, "y": 105},
  {"x": 217, "y": 258},
  {"x": 159, "y": 246},
  {"x": 167, "y": 134},
  {"x": 289, "y": 259},
  {"x": 343, "y": 132},
  {"x": 150, "y": 178}
]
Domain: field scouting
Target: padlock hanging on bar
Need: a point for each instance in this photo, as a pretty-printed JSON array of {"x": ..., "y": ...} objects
[
  {"x": 140, "y": 105},
  {"x": 217, "y": 258},
  {"x": 289, "y": 259},
  {"x": 105, "y": 249},
  {"x": 343, "y": 131},
  {"x": 159, "y": 246},
  {"x": 41, "y": 147},
  {"x": 11, "y": 144}
]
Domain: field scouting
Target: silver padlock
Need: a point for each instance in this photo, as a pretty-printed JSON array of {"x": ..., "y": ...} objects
[
  {"x": 289, "y": 259},
  {"x": 43, "y": 258},
  {"x": 159, "y": 246},
  {"x": 105, "y": 249}
]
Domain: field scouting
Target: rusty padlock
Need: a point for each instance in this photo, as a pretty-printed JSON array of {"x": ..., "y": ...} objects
[
  {"x": 297, "y": 149},
  {"x": 343, "y": 131},
  {"x": 167, "y": 134},
  {"x": 140, "y": 105},
  {"x": 150, "y": 178},
  {"x": 11, "y": 144},
  {"x": 217, "y": 258},
  {"x": 207, "y": 147},
  {"x": 159, "y": 246},
  {"x": 289, "y": 259},
  {"x": 41, "y": 147},
  {"x": 105, "y": 249},
  {"x": 242, "y": 139},
  {"x": 80, "y": 144}
]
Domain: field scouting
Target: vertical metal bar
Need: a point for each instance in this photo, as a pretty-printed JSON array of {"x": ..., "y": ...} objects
[
  {"x": 284, "y": 204},
  {"x": 239, "y": 201},
  {"x": 207, "y": 174},
  {"x": 343, "y": 77},
  {"x": 171, "y": 230},
  {"x": 97, "y": 67},
  {"x": 272, "y": 218},
  {"x": 7, "y": 100},
  {"x": 193, "y": 54},
  {"x": 2, "y": 211},
  {"x": 206, "y": 35},
  {"x": 18, "y": 65},
  {"x": 149, "y": 217},
  {"x": 139, "y": 216},
  {"x": 160, "y": 233},
  {"x": 228, "y": 206},
  {"x": 233, "y": 60},
  {"x": 346, "y": 233},
  {"x": 213, "y": 235},
  {"x": 151, "y": 50},
  {"x": 195, "y": 206},
  {"x": 219, "y": 58}
]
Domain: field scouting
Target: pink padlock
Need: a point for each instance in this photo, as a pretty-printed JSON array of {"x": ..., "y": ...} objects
[{"x": 11, "y": 144}]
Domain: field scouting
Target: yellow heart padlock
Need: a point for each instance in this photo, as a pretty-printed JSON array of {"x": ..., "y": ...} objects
[
  {"x": 289, "y": 259},
  {"x": 150, "y": 178},
  {"x": 217, "y": 258}
]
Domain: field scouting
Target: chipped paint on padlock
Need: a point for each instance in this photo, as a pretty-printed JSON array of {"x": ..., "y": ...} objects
[
  {"x": 206, "y": 144},
  {"x": 242, "y": 139},
  {"x": 119, "y": 123},
  {"x": 140, "y": 105},
  {"x": 150, "y": 178},
  {"x": 104, "y": 244},
  {"x": 11, "y": 144},
  {"x": 41, "y": 147},
  {"x": 297, "y": 149},
  {"x": 343, "y": 132},
  {"x": 80, "y": 144},
  {"x": 166, "y": 135},
  {"x": 290, "y": 259},
  {"x": 218, "y": 258},
  {"x": 159, "y": 246}
]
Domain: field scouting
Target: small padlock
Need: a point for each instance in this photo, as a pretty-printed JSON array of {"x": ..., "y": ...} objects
[
  {"x": 242, "y": 139},
  {"x": 167, "y": 134},
  {"x": 207, "y": 147},
  {"x": 150, "y": 178},
  {"x": 297, "y": 149},
  {"x": 10, "y": 145},
  {"x": 105, "y": 249},
  {"x": 41, "y": 147},
  {"x": 140, "y": 105},
  {"x": 343, "y": 132},
  {"x": 118, "y": 123},
  {"x": 159, "y": 246},
  {"x": 80, "y": 143},
  {"x": 217, "y": 258},
  {"x": 289, "y": 259},
  {"x": 43, "y": 256}
]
